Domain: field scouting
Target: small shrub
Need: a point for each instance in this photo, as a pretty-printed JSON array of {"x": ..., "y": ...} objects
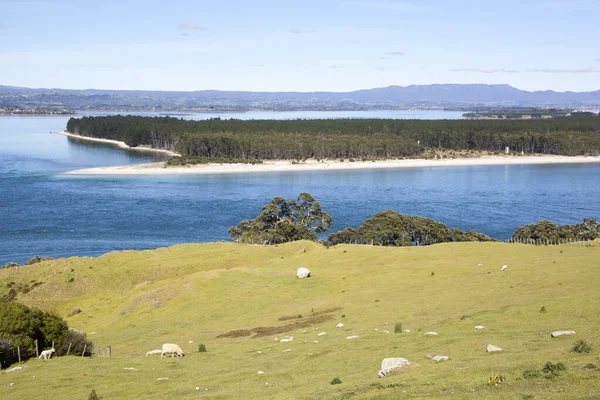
[
  {"x": 496, "y": 379},
  {"x": 336, "y": 381},
  {"x": 201, "y": 348},
  {"x": 543, "y": 309},
  {"x": 343, "y": 315},
  {"x": 465, "y": 316},
  {"x": 527, "y": 396},
  {"x": 94, "y": 396},
  {"x": 71, "y": 279},
  {"x": 590, "y": 366},
  {"x": 398, "y": 327},
  {"x": 552, "y": 370},
  {"x": 581, "y": 346},
  {"x": 433, "y": 274},
  {"x": 531, "y": 374}
]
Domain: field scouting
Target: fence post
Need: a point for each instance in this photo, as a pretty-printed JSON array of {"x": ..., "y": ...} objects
[
  {"x": 69, "y": 349},
  {"x": 19, "y": 352}
]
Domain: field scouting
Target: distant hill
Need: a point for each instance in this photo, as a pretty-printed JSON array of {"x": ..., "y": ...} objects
[{"x": 444, "y": 95}]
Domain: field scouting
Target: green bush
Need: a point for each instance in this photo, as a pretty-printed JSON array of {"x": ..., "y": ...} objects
[
  {"x": 531, "y": 374},
  {"x": 590, "y": 366},
  {"x": 552, "y": 370},
  {"x": 336, "y": 381},
  {"x": 202, "y": 348},
  {"x": 94, "y": 396},
  {"x": 543, "y": 309},
  {"x": 398, "y": 327},
  {"x": 581, "y": 346}
]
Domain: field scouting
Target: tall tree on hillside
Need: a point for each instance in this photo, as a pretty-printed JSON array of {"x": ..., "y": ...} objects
[{"x": 283, "y": 221}]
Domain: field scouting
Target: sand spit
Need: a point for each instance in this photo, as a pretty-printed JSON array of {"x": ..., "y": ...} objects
[{"x": 328, "y": 165}]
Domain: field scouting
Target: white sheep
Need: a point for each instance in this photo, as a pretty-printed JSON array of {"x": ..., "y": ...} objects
[
  {"x": 504, "y": 268},
  {"x": 46, "y": 354},
  {"x": 172, "y": 349}
]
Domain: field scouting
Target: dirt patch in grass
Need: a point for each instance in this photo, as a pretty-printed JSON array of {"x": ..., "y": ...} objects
[
  {"x": 262, "y": 331},
  {"x": 288, "y": 317},
  {"x": 328, "y": 311}
]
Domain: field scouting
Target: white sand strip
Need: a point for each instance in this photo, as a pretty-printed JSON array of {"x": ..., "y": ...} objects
[
  {"x": 119, "y": 144},
  {"x": 330, "y": 165}
]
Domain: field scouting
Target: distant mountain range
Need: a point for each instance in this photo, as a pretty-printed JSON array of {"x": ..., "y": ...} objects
[{"x": 444, "y": 95}]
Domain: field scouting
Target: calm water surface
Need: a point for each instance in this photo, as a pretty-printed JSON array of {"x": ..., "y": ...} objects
[{"x": 45, "y": 213}]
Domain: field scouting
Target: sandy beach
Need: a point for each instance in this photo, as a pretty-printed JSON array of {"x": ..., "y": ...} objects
[
  {"x": 330, "y": 165},
  {"x": 121, "y": 145}
]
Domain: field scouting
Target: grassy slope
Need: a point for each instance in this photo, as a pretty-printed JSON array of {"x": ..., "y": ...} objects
[{"x": 135, "y": 301}]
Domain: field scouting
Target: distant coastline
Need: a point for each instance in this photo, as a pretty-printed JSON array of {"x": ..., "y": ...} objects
[
  {"x": 119, "y": 144},
  {"x": 328, "y": 165}
]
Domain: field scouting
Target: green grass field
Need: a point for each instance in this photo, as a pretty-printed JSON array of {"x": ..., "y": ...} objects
[{"x": 135, "y": 301}]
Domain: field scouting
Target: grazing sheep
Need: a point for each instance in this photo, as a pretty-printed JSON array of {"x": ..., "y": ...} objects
[
  {"x": 504, "y": 268},
  {"x": 172, "y": 349},
  {"x": 159, "y": 351},
  {"x": 46, "y": 354}
]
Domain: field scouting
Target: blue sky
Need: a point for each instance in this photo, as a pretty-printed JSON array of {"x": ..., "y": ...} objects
[{"x": 268, "y": 45}]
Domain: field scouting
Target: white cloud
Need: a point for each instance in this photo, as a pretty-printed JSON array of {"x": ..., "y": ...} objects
[
  {"x": 295, "y": 31},
  {"x": 486, "y": 70},
  {"x": 333, "y": 66},
  {"x": 586, "y": 70},
  {"x": 191, "y": 26},
  {"x": 380, "y": 68},
  {"x": 395, "y": 53}
]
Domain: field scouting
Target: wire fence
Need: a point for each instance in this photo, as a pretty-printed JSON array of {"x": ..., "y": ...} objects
[{"x": 555, "y": 242}]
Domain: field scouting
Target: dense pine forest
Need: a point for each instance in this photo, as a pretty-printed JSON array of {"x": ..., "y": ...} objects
[{"x": 343, "y": 138}]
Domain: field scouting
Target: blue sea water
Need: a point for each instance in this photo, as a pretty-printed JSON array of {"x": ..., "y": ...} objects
[{"x": 45, "y": 213}]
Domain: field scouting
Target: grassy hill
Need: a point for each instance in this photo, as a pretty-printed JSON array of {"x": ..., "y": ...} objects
[{"x": 137, "y": 300}]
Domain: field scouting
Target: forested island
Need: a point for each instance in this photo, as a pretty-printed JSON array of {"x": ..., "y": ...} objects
[{"x": 362, "y": 139}]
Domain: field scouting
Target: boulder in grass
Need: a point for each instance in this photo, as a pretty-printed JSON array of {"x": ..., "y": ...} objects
[
  {"x": 561, "y": 333},
  {"x": 392, "y": 364},
  {"x": 493, "y": 349},
  {"x": 439, "y": 358},
  {"x": 303, "y": 273},
  {"x": 340, "y": 325},
  {"x": 431, "y": 334},
  {"x": 479, "y": 327}
]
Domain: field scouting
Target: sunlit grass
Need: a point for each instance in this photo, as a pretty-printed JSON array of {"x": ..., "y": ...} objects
[{"x": 135, "y": 301}]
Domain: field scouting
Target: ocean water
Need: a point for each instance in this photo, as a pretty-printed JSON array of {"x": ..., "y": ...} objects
[{"x": 45, "y": 213}]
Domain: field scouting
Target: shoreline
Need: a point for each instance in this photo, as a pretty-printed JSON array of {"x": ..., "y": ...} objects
[
  {"x": 159, "y": 168},
  {"x": 119, "y": 144}
]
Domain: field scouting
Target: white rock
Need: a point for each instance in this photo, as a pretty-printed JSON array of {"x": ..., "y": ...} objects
[
  {"x": 276, "y": 339},
  {"x": 352, "y": 337},
  {"x": 16, "y": 368},
  {"x": 286, "y": 350},
  {"x": 406, "y": 331},
  {"x": 384, "y": 331},
  {"x": 303, "y": 273},
  {"x": 157, "y": 351},
  {"x": 479, "y": 327},
  {"x": 440, "y": 358},
  {"x": 391, "y": 364},
  {"x": 162, "y": 379},
  {"x": 431, "y": 334},
  {"x": 287, "y": 340},
  {"x": 315, "y": 341},
  {"x": 259, "y": 352},
  {"x": 197, "y": 388},
  {"x": 560, "y": 333},
  {"x": 304, "y": 331},
  {"x": 321, "y": 333},
  {"x": 130, "y": 369},
  {"x": 260, "y": 372},
  {"x": 10, "y": 384},
  {"x": 493, "y": 349},
  {"x": 479, "y": 265},
  {"x": 340, "y": 325},
  {"x": 504, "y": 268},
  {"x": 191, "y": 341},
  {"x": 376, "y": 329}
]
